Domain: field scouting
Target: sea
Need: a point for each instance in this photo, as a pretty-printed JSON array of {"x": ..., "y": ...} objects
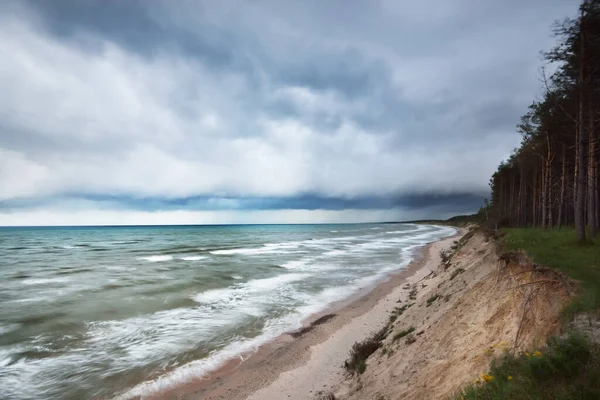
[{"x": 120, "y": 312}]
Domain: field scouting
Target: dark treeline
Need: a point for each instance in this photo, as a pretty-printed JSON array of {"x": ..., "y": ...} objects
[{"x": 551, "y": 180}]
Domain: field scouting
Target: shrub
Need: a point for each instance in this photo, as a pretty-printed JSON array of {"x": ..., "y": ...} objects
[{"x": 362, "y": 350}]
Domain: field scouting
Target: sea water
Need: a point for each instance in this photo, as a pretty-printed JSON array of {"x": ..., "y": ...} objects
[{"x": 88, "y": 312}]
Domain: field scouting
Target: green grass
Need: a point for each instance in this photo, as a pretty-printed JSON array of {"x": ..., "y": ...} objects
[
  {"x": 567, "y": 369},
  {"x": 403, "y": 333},
  {"x": 558, "y": 249}
]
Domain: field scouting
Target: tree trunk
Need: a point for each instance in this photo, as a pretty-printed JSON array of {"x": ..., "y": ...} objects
[
  {"x": 549, "y": 202},
  {"x": 544, "y": 195},
  {"x": 534, "y": 201},
  {"x": 580, "y": 148},
  {"x": 592, "y": 177},
  {"x": 562, "y": 189}
]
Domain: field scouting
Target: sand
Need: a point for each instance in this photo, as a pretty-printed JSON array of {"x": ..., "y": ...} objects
[{"x": 306, "y": 364}]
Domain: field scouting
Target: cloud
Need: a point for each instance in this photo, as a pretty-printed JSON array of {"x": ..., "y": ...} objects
[{"x": 362, "y": 106}]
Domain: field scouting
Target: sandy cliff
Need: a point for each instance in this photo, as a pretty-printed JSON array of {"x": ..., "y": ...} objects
[{"x": 472, "y": 308}]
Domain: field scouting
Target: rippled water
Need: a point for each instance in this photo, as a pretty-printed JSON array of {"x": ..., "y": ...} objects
[{"x": 118, "y": 311}]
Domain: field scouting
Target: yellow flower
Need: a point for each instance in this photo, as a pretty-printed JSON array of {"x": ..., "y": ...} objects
[
  {"x": 476, "y": 381},
  {"x": 486, "y": 377},
  {"x": 509, "y": 378},
  {"x": 527, "y": 354},
  {"x": 537, "y": 354}
]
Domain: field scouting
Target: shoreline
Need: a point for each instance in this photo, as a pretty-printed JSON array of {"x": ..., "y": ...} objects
[{"x": 306, "y": 362}]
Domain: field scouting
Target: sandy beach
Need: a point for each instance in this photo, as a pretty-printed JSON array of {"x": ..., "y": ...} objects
[{"x": 309, "y": 362}]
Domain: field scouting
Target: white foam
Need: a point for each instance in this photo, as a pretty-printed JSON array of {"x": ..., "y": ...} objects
[
  {"x": 294, "y": 264},
  {"x": 45, "y": 281},
  {"x": 236, "y": 277},
  {"x": 214, "y": 295},
  {"x": 157, "y": 258},
  {"x": 245, "y": 291},
  {"x": 283, "y": 245},
  {"x": 335, "y": 253},
  {"x": 6, "y": 328},
  {"x": 269, "y": 248},
  {"x": 193, "y": 258}
]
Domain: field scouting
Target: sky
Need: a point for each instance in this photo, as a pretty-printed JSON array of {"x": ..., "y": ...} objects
[{"x": 261, "y": 111}]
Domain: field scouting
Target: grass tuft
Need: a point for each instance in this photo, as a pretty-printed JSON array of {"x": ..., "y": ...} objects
[
  {"x": 456, "y": 272},
  {"x": 362, "y": 350},
  {"x": 432, "y": 299},
  {"x": 403, "y": 333}
]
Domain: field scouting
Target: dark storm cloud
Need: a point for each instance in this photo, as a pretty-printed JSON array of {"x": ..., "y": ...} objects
[
  {"x": 264, "y": 105},
  {"x": 456, "y": 201}
]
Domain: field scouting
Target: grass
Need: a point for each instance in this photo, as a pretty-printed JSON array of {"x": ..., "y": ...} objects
[
  {"x": 432, "y": 299},
  {"x": 566, "y": 369},
  {"x": 403, "y": 333},
  {"x": 412, "y": 295},
  {"x": 362, "y": 350},
  {"x": 398, "y": 311},
  {"x": 456, "y": 272},
  {"x": 558, "y": 249}
]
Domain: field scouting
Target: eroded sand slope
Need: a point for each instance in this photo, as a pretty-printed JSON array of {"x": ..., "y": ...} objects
[{"x": 480, "y": 305}]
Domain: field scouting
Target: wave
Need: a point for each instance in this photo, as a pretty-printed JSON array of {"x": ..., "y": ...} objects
[
  {"x": 249, "y": 289},
  {"x": 45, "y": 281},
  {"x": 335, "y": 253},
  {"x": 74, "y": 270},
  {"x": 193, "y": 258},
  {"x": 6, "y": 328},
  {"x": 72, "y": 246},
  {"x": 251, "y": 251},
  {"x": 273, "y": 328},
  {"x": 156, "y": 258},
  {"x": 128, "y": 242}
]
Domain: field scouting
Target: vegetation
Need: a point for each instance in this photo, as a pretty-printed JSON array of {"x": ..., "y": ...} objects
[
  {"x": 456, "y": 272},
  {"x": 567, "y": 368},
  {"x": 432, "y": 299},
  {"x": 398, "y": 311},
  {"x": 552, "y": 179},
  {"x": 559, "y": 250},
  {"x": 412, "y": 295},
  {"x": 362, "y": 350},
  {"x": 403, "y": 333}
]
